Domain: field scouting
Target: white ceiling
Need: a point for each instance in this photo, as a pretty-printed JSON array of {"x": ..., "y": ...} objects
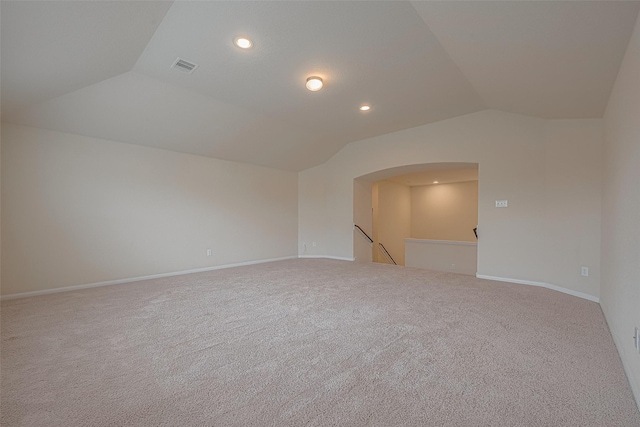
[
  {"x": 425, "y": 174},
  {"x": 50, "y": 48},
  {"x": 101, "y": 69},
  {"x": 555, "y": 59},
  {"x": 443, "y": 176}
]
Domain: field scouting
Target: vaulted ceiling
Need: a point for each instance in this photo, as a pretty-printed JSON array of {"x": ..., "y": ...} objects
[{"x": 103, "y": 69}]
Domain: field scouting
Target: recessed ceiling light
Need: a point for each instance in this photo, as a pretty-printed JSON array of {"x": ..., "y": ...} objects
[
  {"x": 435, "y": 182},
  {"x": 243, "y": 42},
  {"x": 314, "y": 83},
  {"x": 365, "y": 107}
]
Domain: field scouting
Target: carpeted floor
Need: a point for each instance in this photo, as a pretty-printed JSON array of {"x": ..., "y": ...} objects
[{"x": 311, "y": 342}]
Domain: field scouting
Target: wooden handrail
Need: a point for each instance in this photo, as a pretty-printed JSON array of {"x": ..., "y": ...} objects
[
  {"x": 386, "y": 252},
  {"x": 363, "y": 232}
]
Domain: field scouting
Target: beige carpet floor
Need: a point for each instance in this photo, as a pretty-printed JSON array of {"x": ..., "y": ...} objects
[{"x": 311, "y": 342}]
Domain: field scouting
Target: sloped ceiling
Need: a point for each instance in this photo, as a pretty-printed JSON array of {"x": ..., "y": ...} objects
[{"x": 102, "y": 69}]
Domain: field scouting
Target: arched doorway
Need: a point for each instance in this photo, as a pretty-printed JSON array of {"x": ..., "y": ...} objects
[{"x": 418, "y": 215}]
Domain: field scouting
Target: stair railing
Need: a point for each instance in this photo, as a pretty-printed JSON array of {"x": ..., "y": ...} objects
[
  {"x": 364, "y": 233},
  {"x": 386, "y": 254}
]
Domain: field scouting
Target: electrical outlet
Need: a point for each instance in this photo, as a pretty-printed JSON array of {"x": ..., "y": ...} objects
[
  {"x": 502, "y": 203},
  {"x": 208, "y": 252},
  {"x": 453, "y": 266},
  {"x": 584, "y": 271}
]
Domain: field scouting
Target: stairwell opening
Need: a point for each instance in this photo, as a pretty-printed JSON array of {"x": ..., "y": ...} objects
[{"x": 418, "y": 215}]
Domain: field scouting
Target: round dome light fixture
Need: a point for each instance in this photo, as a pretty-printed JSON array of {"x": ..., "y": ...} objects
[
  {"x": 243, "y": 42},
  {"x": 365, "y": 107},
  {"x": 314, "y": 83}
]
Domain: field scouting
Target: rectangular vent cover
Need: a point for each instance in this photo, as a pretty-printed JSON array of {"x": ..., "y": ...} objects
[{"x": 184, "y": 66}]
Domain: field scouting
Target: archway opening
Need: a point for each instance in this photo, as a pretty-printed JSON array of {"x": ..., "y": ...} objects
[{"x": 418, "y": 215}]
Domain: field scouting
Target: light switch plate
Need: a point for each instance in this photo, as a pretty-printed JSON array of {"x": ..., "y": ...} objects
[{"x": 502, "y": 203}]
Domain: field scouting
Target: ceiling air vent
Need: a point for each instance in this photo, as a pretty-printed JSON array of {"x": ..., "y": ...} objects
[{"x": 184, "y": 66}]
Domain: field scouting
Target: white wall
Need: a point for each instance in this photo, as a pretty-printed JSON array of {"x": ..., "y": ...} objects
[
  {"x": 573, "y": 204},
  {"x": 392, "y": 214},
  {"x": 531, "y": 162},
  {"x": 445, "y": 211},
  {"x": 363, "y": 217},
  {"x": 0, "y": 210},
  {"x": 80, "y": 210},
  {"x": 621, "y": 211},
  {"x": 442, "y": 255}
]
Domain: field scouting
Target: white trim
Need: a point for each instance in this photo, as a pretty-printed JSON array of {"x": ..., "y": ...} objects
[
  {"x": 543, "y": 285},
  {"x": 440, "y": 242},
  {"x": 327, "y": 257},
  {"x": 137, "y": 279}
]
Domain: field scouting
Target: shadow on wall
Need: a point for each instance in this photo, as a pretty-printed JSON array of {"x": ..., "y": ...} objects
[{"x": 418, "y": 215}]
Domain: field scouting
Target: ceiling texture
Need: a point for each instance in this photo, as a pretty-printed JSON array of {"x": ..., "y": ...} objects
[{"x": 103, "y": 69}]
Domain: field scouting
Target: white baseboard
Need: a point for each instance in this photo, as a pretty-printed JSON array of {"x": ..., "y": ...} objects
[
  {"x": 137, "y": 279},
  {"x": 327, "y": 257},
  {"x": 542, "y": 285}
]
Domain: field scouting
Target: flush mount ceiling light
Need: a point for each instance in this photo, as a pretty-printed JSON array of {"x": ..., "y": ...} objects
[
  {"x": 243, "y": 42},
  {"x": 365, "y": 107},
  {"x": 314, "y": 83}
]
